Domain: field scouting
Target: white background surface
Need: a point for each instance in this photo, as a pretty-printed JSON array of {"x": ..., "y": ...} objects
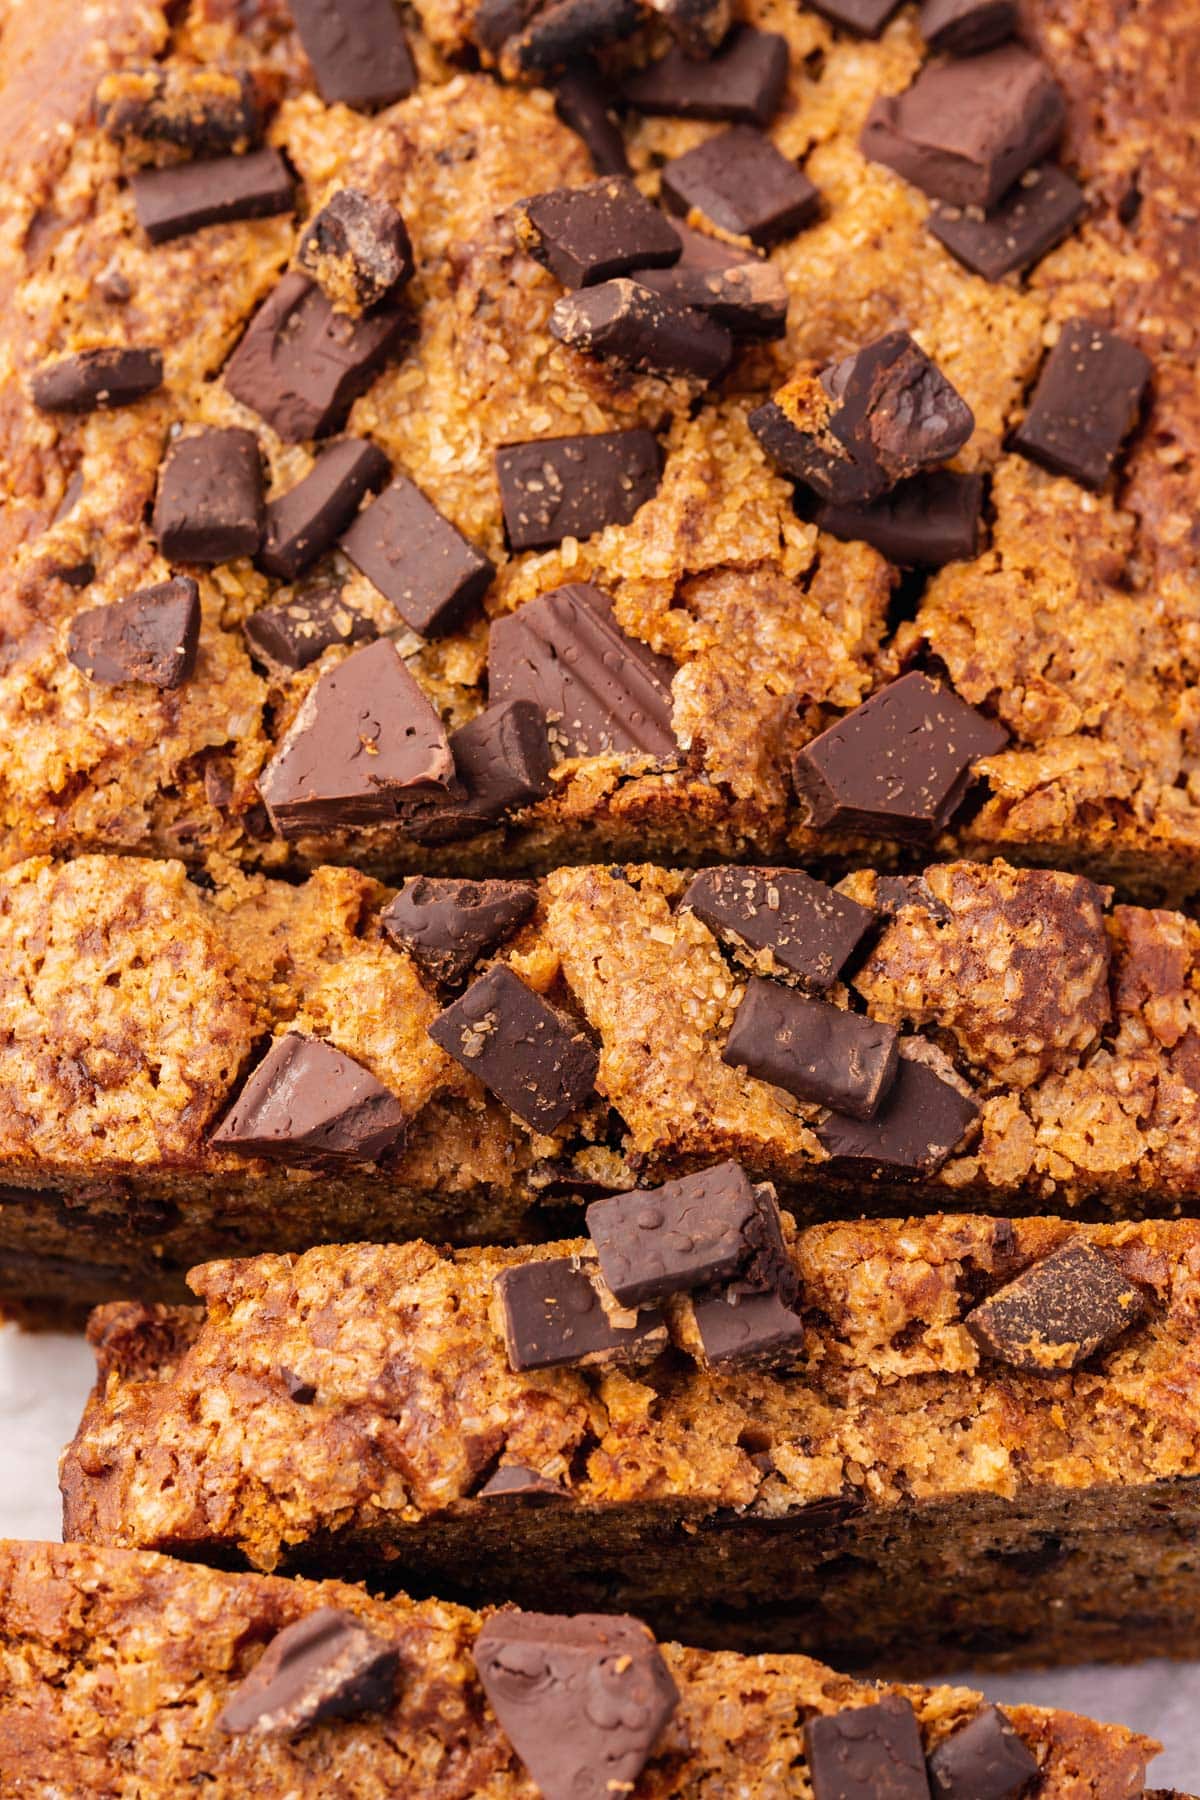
[{"x": 43, "y": 1381}]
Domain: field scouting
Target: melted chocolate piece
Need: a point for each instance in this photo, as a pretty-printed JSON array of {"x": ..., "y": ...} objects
[
  {"x": 309, "y": 1105},
  {"x": 749, "y": 298},
  {"x": 357, "y": 249},
  {"x": 923, "y": 523},
  {"x": 531, "y": 1056},
  {"x": 324, "y": 1666},
  {"x": 201, "y": 111},
  {"x": 552, "y": 488},
  {"x": 152, "y": 636},
  {"x": 502, "y": 763},
  {"x": 584, "y": 100},
  {"x": 561, "y": 33}
]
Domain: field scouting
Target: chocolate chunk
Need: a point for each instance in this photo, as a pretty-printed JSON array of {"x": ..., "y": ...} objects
[
  {"x": 701, "y": 251},
  {"x": 553, "y": 1316},
  {"x": 358, "y": 50},
  {"x": 780, "y": 921},
  {"x": 690, "y": 1233},
  {"x": 603, "y": 693},
  {"x": 301, "y": 366},
  {"x": 152, "y": 636},
  {"x": 357, "y": 249},
  {"x": 965, "y": 27},
  {"x": 308, "y": 1104},
  {"x": 96, "y": 380},
  {"x": 554, "y": 488},
  {"x": 325, "y": 1666},
  {"x": 749, "y": 1328},
  {"x": 698, "y": 25},
  {"x": 1035, "y": 214},
  {"x": 749, "y": 299},
  {"x": 625, "y": 323},
  {"x": 867, "y": 1753},
  {"x": 586, "y": 103},
  {"x": 496, "y": 21},
  {"x": 923, "y": 523},
  {"x": 174, "y": 201},
  {"x": 582, "y": 1701},
  {"x": 202, "y": 111},
  {"x": 301, "y": 1391},
  {"x": 813, "y": 1049},
  {"x": 447, "y": 925},
  {"x": 964, "y": 131},
  {"x": 1059, "y": 1312},
  {"x": 563, "y": 32},
  {"x": 417, "y": 559},
  {"x": 531, "y": 1056},
  {"x": 894, "y": 892},
  {"x": 502, "y": 762},
  {"x": 922, "y": 1120},
  {"x": 290, "y": 637},
  {"x": 865, "y": 423},
  {"x": 513, "y": 1481},
  {"x": 865, "y": 18},
  {"x": 742, "y": 82},
  {"x": 306, "y": 521},
  {"x": 741, "y": 183},
  {"x": 589, "y": 234},
  {"x": 364, "y": 739},
  {"x": 210, "y": 497},
  {"x": 899, "y": 764},
  {"x": 983, "y": 1760},
  {"x": 1086, "y": 403}
]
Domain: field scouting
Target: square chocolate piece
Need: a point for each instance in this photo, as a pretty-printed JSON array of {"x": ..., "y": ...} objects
[
  {"x": 1059, "y": 1312},
  {"x": 924, "y": 523},
  {"x": 184, "y": 197},
  {"x": 867, "y": 1753},
  {"x": 417, "y": 559},
  {"x": 210, "y": 497},
  {"x": 813, "y": 1049},
  {"x": 742, "y": 82},
  {"x": 590, "y": 234},
  {"x": 358, "y": 50},
  {"x": 920, "y": 1124},
  {"x": 1035, "y": 215},
  {"x": 553, "y": 488},
  {"x": 531, "y": 1056},
  {"x": 553, "y": 1316},
  {"x": 780, "y": 921},
  {"x": 1086, "y": 403},
  {"x": 743, "y": 184}
]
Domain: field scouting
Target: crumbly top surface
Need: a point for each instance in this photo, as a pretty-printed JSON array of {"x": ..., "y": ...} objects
[
  {"x": 154, "y": 1648},
  {"x": 191, "y": 1434},
  {"x": 1073, "y": 627},
  {"x": 135, "y": 1002}
]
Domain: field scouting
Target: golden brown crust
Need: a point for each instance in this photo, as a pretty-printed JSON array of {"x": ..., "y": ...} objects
[{"x": 153, "y": 1648}]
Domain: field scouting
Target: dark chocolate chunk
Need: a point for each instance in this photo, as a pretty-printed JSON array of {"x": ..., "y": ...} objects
[
  {"x": 702, "y": 251},
  {"x": 210, "y": 497},
  {"x": 964, "y": 131},
  {"x": 701, "y": 1229},
  {"x": 357, "y": 249},
  {"x": 301, "y": 366},
  {"x": 564, "y": 31},
  {"x": 1085, "y": 405},
  {"x": 584, "y": 101},
  {"x": 749, "y": 298},
  {"x": 203, "y": 111},
  {"x": 1059, "y": 1312},
  {"x": 308, "y": 1104},
  {"x": 513, "y": 1481},
  {"x": 581, "y": 1700},
  {"x": 152, "y": 636},
  {"x": 982, "y": 1760},
  {"x": 589, "y": 234},
  {"x": 301, "y": 1391},
  {"x": 741, "y": 183},
  {"x": 743, "y": 81},
  {"x": 863, "y": 424},
  {"x": 813, "y": 1049},
  {"x": 965, "y": 27},
  {"x": 750, "y": 1328},
  {"x": 1035, "y": 214},
  {"x": 306, "y": 521},
  {"x": 867, "y": 1753},
  {"x": 899, "y": 764},
  {"x": 602, "y": 692},
  {"x": 531, "y": 1056},
  {"x": 364, "y": 739},
  {"x": 358, "y": 50},
  {"x": 625, "y": 323},
  {"x": 698, "y": 25},
  {"x": 290, "y": 637},
  {"x": 922, "y": 1120},
  {"x": 417, "y": 559},
  {"x": 446, "y": 925},
  {"x": 496, "y": 21},
  {"x": 78, "y": 574},
  {"x": 865, "y": 18},
  {"x": 553, "y": 1315},
  {"x": 894, "y": 892},
  {"x": 923, "y": 523},
  {"x": 96, "y": 380},
  {"x": 502, "y": 762},
  {"x": 324, "y": 1666},
  {"x": 554, "y": 488},
  {"x": 783, "y": 922},
  {"x": 174, "y": 201}
]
